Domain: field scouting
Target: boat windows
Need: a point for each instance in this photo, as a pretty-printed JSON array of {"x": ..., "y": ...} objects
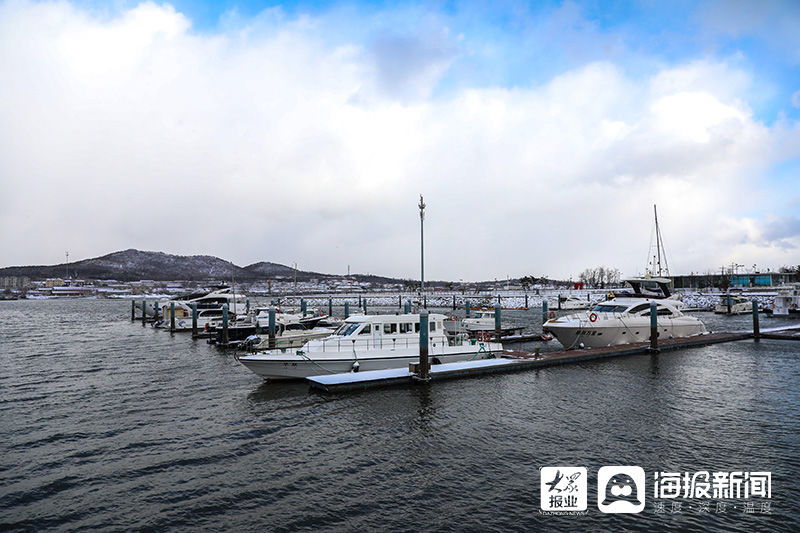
[
  {"x": 607, "y": 308},
  {"x": 416, "y": 327},
  {"x": 433, "y": 326},
  {"x": 347, "y": 329},
  {"x": 405, "y": 327},
  {"x": 367, "y": 330},
  {"x": 639, "y": 308},
  {"x": 389, "y": 327}
]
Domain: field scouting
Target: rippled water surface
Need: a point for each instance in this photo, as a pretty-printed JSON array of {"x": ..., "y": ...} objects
[{"x": 110, "y": 425}]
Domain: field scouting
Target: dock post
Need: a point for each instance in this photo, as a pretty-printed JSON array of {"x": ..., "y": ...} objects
[
  {"x": 454, "y": 302},
  {"x": 172, "y": 316},
  {"x": 133, "y": 310},
  {"x": 271, "y": 344},
  {"x": 359, "y": 300},
  {"x": 225, "y": 324},
  {"x": 526, "y": 300},
  {"x": 468, "y": 308},
  {"x": 422, "y": 370},
  {"x": 399, "y": 301},
  {"x": 544, "y": 310},
  {"x": 303, "y": 307},
  {"x": 194, "y": 319},
  {"x": 756, "y": 330},
  {"x": 407, "y": 307},
  {"x": 425, "y": 301},
  {"x": 653, "y": 328},
  {"x": 144, "y": 311},
  {"x": 346, "y": 309},
  {"x": 559, "y": 301},
  {"x": 365, "y": 305},
  {"x": 497, "y": 327},
  {"x": 330, "y": 306},
  {"x": 247, "y": 306},
  {"x": 155, "y": 311},
  {"x": 728, "y": 302}
]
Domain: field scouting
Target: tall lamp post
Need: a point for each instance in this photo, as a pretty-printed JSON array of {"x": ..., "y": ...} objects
[{"x": 422, "y": 242}]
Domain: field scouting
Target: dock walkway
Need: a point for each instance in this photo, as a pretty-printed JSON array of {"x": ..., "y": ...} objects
[{"x": 510, "y": 361}]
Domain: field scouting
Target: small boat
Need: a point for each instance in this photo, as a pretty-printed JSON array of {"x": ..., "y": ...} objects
[
  {"x": 739, "y": 305},
  {"x": 483, "y": 320},
  {"x": 369, "y": 342},
  {"x": 571, "y": 303},
  {"x": 787, "y": 302},
  {"x": 290, "y": 332},
  {"x": 622, "y": 321},
  {"x": 209, "y": 310}
]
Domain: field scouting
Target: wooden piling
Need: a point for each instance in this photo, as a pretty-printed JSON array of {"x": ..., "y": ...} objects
[
  {"x": 653, "y": 328},
  {"x": 144, "y": 311},
  {"x": 172, "y": 316},
  {"x": 303, "y": 307},
  {"x": 498, "y": 330},
  {"x": 467, "y": 306},
  {"x": 544, "y": 310},
  {"x": 423, "y": 370},
  {"x": 330, "y": 306},
  {"x": 365, "y": 305},
  {"x": 756, "y": 329},
  {"x": 271, "y": 343},
  {"x": 133, "y": 310},
  {"x": 454, "y": 302},
  {"x": 526, "y": 300},
  {"x": 225, "y": 324},
  {"x": 346, "y": 309},
  {"x": 194, "y": 319},
  {"x": 728, "y": 303}
]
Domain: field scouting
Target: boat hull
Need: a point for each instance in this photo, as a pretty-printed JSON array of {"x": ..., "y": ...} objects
[
  {"x": 615, "y": 331},
  {"x": 281, "y": 366}
]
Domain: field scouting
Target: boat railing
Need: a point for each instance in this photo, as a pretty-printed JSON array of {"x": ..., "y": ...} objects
[{"x": 338, "y": 344}]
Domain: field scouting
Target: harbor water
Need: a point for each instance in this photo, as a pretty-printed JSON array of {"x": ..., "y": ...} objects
[{"x": 109, "y": 425}]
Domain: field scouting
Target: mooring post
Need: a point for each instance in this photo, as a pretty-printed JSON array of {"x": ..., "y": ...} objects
[
  {"x": 454, "y": 302},
  {"x": 468, "y": 308},
  {"x": 399, "y": 301},
  {"x": 728, "y": 302},
  {"x": 247, "y": 306},
  {"x": 526, "y": 300},
  {"x": 756, "y": 330},
  {"x": 407, "y": 307},
  {"x": 346, "y": 309},
  {"x": 559, "y": 301},
  {"x": 271, "y": 343},
  {"x": 144, "y": 311},
  {"x": 544, "y": 310},
  {"x": 653, "y": 327},
  {"x": 225, "y": 324},
  {"x": 172, "y": 316},
  {"x": 359, "y": 300},
  {"x": 330, "y": 306},
  {"x": 303, "y": 307},
  {"x": 133, "y": 310},
  {"x": 365, "y": 305},
  {"x": 194, "y": 319},
  {"x": 422, "y": 369},
  {"x": 497, "y": 328},
  {"x": 425, "y": 301}
]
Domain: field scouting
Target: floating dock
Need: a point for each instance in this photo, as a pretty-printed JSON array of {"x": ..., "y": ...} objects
[{"x": 510, "y": 361}]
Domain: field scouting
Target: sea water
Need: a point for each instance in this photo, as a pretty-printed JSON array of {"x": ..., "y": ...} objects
[{"x": 110, "y": 425}]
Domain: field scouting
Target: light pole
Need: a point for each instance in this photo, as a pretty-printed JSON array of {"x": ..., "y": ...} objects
[{"x": 422, "y": 242}]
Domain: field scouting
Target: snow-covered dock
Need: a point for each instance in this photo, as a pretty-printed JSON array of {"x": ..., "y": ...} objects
[{"x": 511, "y": 361}]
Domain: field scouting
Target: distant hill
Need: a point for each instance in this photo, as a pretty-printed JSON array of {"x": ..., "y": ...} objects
[{"x": 134, "y": 265}]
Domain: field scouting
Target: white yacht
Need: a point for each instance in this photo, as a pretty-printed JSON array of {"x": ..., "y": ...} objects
[
  {"x": 369, "y": 342},
  {"x": 571, "y": 303},
  {"x": 622, "y": 321},
  {"x": 739, "y": 305},
  {"x": 209, "y": 310},
  {"x": 787, "y": 302}
]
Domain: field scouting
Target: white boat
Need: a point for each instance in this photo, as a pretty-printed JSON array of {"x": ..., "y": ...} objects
[
  {"x": 571, "y": 303},
  {"x": 622, "y": 321},
  {"x": 369, "y": 342},
  {"x": 739, "y": 305},
  {"x": 482, "y": 321},
  {"x": 209, "y": 310},
  {"x": 787, "y": 302}
]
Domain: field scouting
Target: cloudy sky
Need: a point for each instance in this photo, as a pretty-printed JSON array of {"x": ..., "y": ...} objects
[{"x": 541, "y": 134}]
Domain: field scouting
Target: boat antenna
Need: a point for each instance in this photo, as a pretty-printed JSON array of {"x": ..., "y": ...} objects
[{"x": 422, "y": 242}]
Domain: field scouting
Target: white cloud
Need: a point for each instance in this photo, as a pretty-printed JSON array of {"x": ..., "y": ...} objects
[{"x": 266, "y": 142}]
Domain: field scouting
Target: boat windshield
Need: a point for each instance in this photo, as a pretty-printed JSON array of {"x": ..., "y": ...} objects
[
  {"x": 347, "y": 328},
  {"x": 608, "y": 308}
]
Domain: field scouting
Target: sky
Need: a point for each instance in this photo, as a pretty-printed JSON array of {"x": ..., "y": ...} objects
[{"x": 541, "y": 134}]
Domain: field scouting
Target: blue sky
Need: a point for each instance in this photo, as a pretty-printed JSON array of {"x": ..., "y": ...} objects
[{"x": 343, "y": 112}]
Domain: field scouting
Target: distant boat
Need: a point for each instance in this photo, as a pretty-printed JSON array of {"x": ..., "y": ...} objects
[
  {"x": 571, "y": 303},
  {"x": 787, "y": 302},
  {"x": 739, "y": 305}
]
